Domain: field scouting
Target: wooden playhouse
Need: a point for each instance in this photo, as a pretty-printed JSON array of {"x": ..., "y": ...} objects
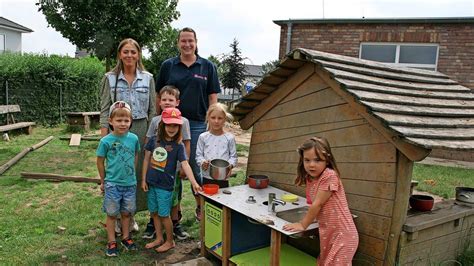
[{"x": 379, "y": 119}]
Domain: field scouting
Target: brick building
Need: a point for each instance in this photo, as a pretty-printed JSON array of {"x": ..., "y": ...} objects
[{"x": 442, "y": 44}]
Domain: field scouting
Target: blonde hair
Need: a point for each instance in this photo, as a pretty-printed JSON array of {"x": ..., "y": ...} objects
[
  {"x": 121, "y": 112},
  {"x": 220, "y": 108},
  {"x": 119, "y": 66}
]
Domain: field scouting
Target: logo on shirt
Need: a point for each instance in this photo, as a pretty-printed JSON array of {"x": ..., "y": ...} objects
[
  {"x": 200, "y": 77},
  {"x": 158, "y": 160}
]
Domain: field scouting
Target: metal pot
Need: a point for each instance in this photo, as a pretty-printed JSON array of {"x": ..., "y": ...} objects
[
  {"x": 258, "y": 181},
  {"x": 219, "y": 169},
  {"x": 465, "y": 194}
]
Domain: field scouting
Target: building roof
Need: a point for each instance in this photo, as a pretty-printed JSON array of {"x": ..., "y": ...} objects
[
  {"x": 253, "y": 70},
  {"x": 423, "y": 108},
  {"x": 5, "y": 23},
  {"x": 434, "y": 20}
]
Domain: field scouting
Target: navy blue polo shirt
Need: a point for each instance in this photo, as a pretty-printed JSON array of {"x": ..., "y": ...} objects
[{"x": 195, "y": 83}]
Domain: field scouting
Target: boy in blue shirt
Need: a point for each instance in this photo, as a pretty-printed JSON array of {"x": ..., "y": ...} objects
[{"x": 118, "y": 180}]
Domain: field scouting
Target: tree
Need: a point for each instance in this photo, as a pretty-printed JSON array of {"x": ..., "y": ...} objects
[
  {"x": 99, "y": 26},
  {"x": 217, "y": 62},
  {"x": 234, "y": 68},
  {"x": 269, "y": 66},
  {"x": 162, "y": 49}
]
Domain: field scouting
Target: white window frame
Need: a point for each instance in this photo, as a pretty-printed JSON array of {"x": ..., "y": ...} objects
[
  {"x": 4, "y": 43},
  {"x": 397, "y": 53}
]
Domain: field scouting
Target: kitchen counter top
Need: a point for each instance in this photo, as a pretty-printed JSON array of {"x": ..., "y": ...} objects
[{"x": 237, "y": 201}]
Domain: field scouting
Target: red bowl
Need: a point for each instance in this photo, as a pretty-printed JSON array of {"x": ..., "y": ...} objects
[
  {"x": 421, "y": 202},
  {"x": 210, "y": 189}
]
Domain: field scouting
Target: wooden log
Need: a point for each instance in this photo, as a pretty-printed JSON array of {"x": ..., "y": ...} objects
[
  {"x": 22, "y": 154},
  {"x": 41, "y": 143},
  {"x": 56, "y": 177},
  {"x": 90, "y": 138}
]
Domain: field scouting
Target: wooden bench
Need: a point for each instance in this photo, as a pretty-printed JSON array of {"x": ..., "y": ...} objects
[
  {"x": 83, "y": 119},
  {"x": 11, "y": 125}
]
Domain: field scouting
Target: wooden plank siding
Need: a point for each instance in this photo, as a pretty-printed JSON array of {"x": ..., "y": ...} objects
[
  {"x": 366, "y": 160},
  {"x": 378, "y": 120}
]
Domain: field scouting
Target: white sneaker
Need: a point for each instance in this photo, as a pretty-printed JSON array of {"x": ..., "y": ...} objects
[{"x": 133, "y": 225}]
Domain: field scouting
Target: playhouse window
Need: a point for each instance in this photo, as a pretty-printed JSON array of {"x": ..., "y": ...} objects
[{"x": 414, "y": 55}]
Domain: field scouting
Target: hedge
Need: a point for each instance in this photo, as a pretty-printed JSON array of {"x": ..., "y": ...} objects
[{"x": 46, "y": 87}]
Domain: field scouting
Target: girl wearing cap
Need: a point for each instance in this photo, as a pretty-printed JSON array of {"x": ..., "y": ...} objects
[
  {"x": 129, "y": 82},
  {"x": 162, "y": 152}
]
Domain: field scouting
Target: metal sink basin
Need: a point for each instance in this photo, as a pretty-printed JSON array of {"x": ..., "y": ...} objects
[{"x": 294, "y": 215}]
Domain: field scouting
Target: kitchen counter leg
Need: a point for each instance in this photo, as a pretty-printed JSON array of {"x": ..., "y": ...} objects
[
  {"x": 202, "y": 229},
  {"x": 226, "y": 234},
  {"x": 275, "y": 248}
]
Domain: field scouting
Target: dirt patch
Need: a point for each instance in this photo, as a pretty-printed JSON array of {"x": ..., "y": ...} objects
[
  {"x": 184, "y": 251},
  {"x": 241, "y": 136}
]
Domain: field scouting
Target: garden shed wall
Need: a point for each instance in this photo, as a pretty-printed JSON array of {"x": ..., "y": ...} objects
[{"x": 367, "y": 161}]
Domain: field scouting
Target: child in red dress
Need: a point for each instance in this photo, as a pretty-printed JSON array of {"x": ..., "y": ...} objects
[{"x": 324, "y": 191}]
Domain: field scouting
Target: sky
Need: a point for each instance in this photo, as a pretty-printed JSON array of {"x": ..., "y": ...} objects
[{"x": 218, "y": 22}]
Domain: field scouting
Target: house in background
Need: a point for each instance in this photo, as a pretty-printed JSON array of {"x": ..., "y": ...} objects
[
  {"x": 253, "y": 74},
  {"x": 442, "y": 44},
  {"x": 10, "y": 35}
]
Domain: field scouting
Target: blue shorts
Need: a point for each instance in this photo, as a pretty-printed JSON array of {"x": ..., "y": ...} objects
[
  {"x": 159, "y": 201},
  {"x": 119, "y": 199}
]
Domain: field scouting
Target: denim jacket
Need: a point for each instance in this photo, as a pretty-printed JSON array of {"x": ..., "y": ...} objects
[{"x": 141, "y": 95}]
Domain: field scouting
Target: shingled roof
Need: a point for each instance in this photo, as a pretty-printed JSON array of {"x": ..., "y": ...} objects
[{"x": 424, "y": 108}]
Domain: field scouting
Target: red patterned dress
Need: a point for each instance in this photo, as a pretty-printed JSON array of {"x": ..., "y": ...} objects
[{"x": 338, "y": 235}]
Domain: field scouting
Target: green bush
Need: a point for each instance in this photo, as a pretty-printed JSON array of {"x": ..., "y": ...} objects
[{"x": 46, "y": 87}]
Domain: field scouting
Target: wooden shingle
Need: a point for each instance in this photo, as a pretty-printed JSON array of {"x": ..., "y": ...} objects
[{"x": 421, "y": 107}]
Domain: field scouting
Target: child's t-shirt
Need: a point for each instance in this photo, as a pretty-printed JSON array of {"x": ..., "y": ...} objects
[
  {"x": 211, "y": 147},
  {"x": 162, "y": 166},
  {"x": 119, "y": 153},
  {"x": 155, "y": 121}
]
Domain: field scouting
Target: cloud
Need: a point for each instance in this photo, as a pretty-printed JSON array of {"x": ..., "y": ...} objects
[{"x": 218, "y": 22}]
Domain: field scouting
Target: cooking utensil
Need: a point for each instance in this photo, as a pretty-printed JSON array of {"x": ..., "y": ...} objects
[
  {"x": 258, "y": 181},
  {"x": 210, "y": 189},
  {"x": 421, "y": 202},
  {"x": 219, "y": 169},
  {"x": 465, "y": 194}
]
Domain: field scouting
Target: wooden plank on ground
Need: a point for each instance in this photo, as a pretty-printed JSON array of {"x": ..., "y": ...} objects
[
  {"x": 75, "y": 140},
  {"x": 55, "y": 177},
  {"x": 89, "y": 138}
]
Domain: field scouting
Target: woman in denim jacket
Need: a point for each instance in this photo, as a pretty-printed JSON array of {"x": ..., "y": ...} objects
[{"x": 136, "y": 87}]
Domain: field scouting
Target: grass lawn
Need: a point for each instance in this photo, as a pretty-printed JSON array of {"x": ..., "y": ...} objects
[
  {"x": 47, "y": 222},
  {"x": 44, "y": 222}
]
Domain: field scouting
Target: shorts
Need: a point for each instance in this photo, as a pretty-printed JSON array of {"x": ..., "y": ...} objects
[
  {"x": 119, "y": 199},
  {"x": 177, "y": 190},
  {"x": 159, "y": 201}
]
